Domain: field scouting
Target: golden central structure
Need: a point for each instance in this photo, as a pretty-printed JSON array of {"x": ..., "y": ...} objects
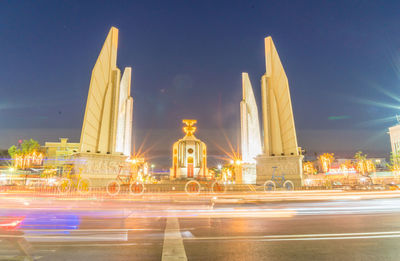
[
  {"x": 280, "y": 151},
  {"x": 107, "y": 125},
  {"x": 189, "y": 155}
]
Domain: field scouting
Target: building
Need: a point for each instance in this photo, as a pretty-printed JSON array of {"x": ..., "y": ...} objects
[
  {"x": 394, "y": 133},
  {"x": 189, "y": 155},
  {"x": 57, "y": 153}
]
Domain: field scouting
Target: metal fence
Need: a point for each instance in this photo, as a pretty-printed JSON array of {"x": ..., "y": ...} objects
[{"x": 192, "y": 188}]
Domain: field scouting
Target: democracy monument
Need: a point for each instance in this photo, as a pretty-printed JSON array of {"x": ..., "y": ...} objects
[
  {"x": 189, "y": 155},
  {"x": 280, "y": 152},
  {"x": 106, "y": 137}
]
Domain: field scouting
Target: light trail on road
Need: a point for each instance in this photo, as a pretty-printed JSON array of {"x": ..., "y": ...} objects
[{"x": 215, "y": 222}]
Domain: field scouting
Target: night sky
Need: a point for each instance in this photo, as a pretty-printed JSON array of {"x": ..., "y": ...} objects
[{"x": 342, "y": 59}]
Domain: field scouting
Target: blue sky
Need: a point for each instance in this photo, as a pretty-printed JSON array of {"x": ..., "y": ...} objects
[{"x": 342, "y": 59}]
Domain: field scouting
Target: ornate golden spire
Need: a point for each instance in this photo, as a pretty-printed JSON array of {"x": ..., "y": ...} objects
[{"x": 189, "y": 129}]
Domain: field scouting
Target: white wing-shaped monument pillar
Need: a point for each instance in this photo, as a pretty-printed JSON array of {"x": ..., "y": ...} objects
[
  {"x": 280, "y": 150},
  {"x": 250, "y": 132},
  {"x": 107, "y": 124},
  {"x": 106, "y": 135},
  {"x": 125, "y": 112}
]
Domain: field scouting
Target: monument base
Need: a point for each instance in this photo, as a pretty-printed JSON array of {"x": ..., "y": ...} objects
[
  {"x": 249, "y": 173},
  {"x": 100, "y": 168},
  {"x": 291, "y": 167}
]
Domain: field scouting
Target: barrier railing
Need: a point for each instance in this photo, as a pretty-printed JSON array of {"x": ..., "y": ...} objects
[{"x": 191, "y": 188}]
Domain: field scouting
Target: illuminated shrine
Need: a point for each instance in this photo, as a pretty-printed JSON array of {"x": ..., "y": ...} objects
[{"x": 189, "y": 159}]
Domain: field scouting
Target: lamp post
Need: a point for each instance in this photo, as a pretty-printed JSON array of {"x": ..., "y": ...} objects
[{"x": 152, "y": 169}]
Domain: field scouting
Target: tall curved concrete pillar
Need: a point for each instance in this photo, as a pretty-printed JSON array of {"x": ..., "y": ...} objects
[
  {"x": 250, "y": 132},
  {"x": 280, "y": 149},
  {"x": 107, "y": 124}
]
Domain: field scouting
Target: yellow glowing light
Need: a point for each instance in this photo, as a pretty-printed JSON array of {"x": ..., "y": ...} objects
[
  {"x": 238, "y": 162},
  {"x": 189, "y": 129},
  {"x": 27, "y": 160},
  {"x": 326, "y": 160},
  {"x": 308, "y": 168},
  {"x": 365, "y": 166},
  {"x": 135, "y": 161},
  {"x": 370, "y": 166}
]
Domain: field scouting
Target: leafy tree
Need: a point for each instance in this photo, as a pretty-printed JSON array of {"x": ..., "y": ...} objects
[
  {"x": 326, "y": 160},
  {"x": 25, "y": 148},
  {"x": 363, "y": 164},
  {"x": 359, "y": 156},
  {"x": 29, "y": 146},
  {"x": 13, "y": 151},
  {"x": 308, "y": 168},
  {"x": 394, "y": 164}
]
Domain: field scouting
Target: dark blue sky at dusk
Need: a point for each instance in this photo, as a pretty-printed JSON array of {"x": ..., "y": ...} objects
[{"x": 342, "y": 59}]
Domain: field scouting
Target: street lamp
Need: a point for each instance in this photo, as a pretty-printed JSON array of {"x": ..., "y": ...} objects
[{"x": 152, "y": 168}]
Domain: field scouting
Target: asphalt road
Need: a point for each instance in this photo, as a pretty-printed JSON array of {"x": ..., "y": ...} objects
[{"x": 206, "y": 229}]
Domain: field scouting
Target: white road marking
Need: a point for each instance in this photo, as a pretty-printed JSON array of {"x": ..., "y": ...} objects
[
  {"x": 98, "y": 245},
  {"x": 173, "y": 248},
  {"x": 94, "y": 230},
  {"x": 18, "y": 257},
  {"x": 74, "y": 236},
  {"x": 333, "y": 238},
  {"x": 336, "y": 236}
]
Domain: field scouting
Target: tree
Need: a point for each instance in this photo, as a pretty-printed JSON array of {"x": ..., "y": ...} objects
[
  {"x": 394, "y": 164},
  {"x": 26, "y": 153},
  {"x": 29, "y": 146},
  {"x": 363, "y": 164},
  {"x": 308, "y": 168},
  {"x": 13, "y": 151},
  {"x": 25, "y": 148},
  {"x": 326, "y": 160},
  {"x": 359, "y": 156}
]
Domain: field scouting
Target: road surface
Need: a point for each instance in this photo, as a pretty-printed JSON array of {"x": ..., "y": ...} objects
[{"x": 347, "y": 227}]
